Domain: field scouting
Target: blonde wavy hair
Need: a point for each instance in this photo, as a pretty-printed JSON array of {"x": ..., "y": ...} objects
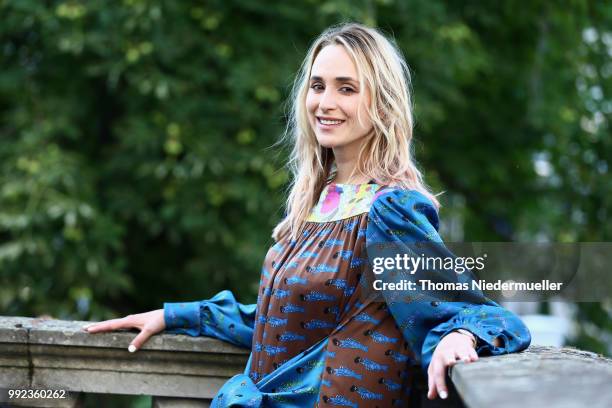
[{"x": 386, "y": 154}]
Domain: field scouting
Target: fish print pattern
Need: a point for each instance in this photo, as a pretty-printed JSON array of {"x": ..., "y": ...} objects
[{"x": 315, "y": 341}]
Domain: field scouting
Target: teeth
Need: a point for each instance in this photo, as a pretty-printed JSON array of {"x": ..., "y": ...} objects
[{"x": 330, "y": 122}]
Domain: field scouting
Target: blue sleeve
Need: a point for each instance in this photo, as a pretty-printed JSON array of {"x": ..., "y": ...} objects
[
  {"x": 405, "y": 217},
  {"x": 221, "y": 317}
]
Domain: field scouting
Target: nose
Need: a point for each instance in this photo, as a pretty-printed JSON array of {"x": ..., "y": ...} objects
[{"x": 328, "y": 100}]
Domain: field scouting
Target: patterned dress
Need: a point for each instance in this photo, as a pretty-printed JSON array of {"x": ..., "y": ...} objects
[{"x": 314, "y": 340}]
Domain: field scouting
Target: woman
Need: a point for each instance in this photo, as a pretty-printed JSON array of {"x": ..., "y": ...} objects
[{"x": 314, "y": 340}]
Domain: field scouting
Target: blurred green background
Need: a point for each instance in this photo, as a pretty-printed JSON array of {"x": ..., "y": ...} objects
[{"x": 135, "y": 138}]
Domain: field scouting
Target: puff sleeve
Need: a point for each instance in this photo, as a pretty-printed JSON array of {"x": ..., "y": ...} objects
[
  {"x": 403, "y": 218},
  {"x": 221, "y": 317}
]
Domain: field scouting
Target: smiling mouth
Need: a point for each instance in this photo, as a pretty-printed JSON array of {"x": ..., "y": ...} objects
[{"x": 329, "y": 122}]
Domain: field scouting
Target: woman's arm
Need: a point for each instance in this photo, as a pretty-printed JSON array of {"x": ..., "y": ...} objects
[
  {"x": 221, "y": 317},
  {"x": 403, "y": 218}
]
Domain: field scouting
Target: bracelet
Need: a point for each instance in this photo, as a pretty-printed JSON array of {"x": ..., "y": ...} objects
[{"x": 469, "y": 334}]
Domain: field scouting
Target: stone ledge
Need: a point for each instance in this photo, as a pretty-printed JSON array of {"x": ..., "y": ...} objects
[
  {"x": 70, "y": 333},
  {"x": 53, "y": 354},
  {"x": 538, "y": 377}
]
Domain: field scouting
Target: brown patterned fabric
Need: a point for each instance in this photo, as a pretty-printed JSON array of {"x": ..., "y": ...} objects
[{"x": 308, "y": 286}]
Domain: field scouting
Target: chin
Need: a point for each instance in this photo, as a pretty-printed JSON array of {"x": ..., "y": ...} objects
[{"x": 328, "y": 142}]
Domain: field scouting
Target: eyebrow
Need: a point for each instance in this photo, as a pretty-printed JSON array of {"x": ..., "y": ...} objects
[{"x": 338, "y": 79}]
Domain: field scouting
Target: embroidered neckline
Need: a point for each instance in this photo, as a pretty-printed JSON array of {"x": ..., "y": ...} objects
[{"x": 340, "y": 201}]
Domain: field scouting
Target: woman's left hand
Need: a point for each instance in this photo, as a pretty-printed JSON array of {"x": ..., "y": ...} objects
[{"x": 452, "y": 348}]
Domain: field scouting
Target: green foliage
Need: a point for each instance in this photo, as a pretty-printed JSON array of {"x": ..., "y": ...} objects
[{"x": 135, "y": 165}]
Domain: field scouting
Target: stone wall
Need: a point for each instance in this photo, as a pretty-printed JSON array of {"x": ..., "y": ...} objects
[{"x": 183, "y": 371}]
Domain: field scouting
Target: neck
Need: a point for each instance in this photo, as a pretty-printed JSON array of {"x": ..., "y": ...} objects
[{"x": 346, "y": 165}]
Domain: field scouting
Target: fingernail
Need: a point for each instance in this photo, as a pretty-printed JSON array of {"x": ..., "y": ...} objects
[
  {"x": 132, "y": 348},
  {"x": 443, "y": 394}
]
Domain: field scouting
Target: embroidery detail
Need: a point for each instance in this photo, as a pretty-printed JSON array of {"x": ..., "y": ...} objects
[{"x": 340, "y": 201}]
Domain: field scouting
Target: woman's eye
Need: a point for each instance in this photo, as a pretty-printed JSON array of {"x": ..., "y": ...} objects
[{"x": 320, "y": 87}]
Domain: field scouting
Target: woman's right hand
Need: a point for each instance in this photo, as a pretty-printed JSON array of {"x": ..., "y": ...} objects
[{"x": 148, "y": 323}]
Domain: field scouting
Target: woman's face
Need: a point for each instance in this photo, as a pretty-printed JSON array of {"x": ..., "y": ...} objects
[{"x": 333, "y": 101}]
